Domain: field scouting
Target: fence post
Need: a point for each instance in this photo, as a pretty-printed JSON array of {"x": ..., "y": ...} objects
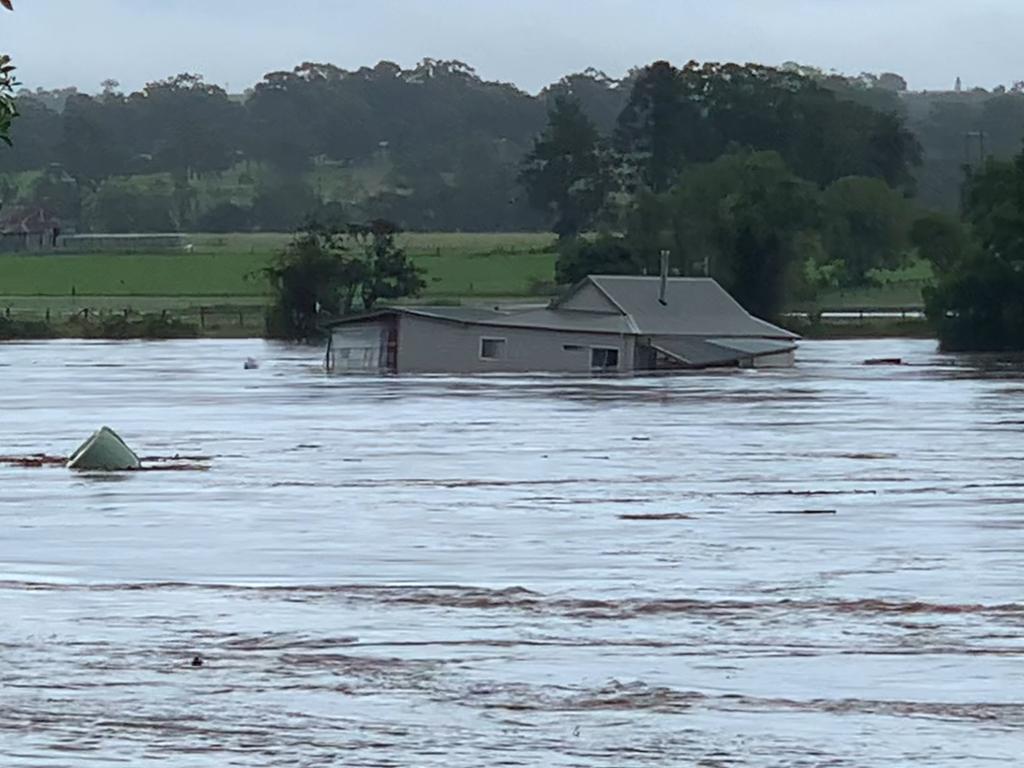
[
  {"x": 241, "y": 319},
  {"x": 8, "y": 313},
  {"x": 47, "y": 315},
  {"x": 202, "y": 317}
]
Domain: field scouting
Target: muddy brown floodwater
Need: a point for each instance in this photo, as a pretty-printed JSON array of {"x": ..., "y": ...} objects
[{"x": 815, "y": 567}]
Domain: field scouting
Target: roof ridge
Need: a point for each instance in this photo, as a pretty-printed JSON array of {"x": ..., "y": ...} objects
[{"x": 634, "y": 327}]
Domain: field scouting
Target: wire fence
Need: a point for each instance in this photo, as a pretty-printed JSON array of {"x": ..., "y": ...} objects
[
  {"x": 234, "y": 318},
  {"x": 861, "y": 314}
]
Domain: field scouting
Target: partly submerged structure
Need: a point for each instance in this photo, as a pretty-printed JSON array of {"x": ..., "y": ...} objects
[
  {"x": 605, "y": 324},
  {"x": 104, "y": 451}
]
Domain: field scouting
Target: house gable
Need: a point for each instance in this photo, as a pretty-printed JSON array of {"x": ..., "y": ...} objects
[{"x": 587, "y": 297}]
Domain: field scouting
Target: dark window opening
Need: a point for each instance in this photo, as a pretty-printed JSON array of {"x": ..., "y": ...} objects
[
  {"x": 492, "y": 349},
  {"x": 604, "y": 359}
]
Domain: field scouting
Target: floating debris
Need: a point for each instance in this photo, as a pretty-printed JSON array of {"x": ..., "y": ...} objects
[
  {"x": 176, "y": 463},
  {"x": 250, "y": 364},
  {"x": 801, "y": 512},
  {"x": 35, "y": 460},
  {"x": 657, "y": 516},
  {"x": 884, "y": 361}
]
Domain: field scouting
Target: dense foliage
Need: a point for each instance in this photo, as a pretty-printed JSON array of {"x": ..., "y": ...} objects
[
  {"x": 978, "y": 302},
  {"x": 435, "y": 147},
  {"x": 752, "y": 175},
  {"x": 697, "y": 113},
  {"x": 567, "y": 173},
  {"x": 8, "y": 105},
  {"x": 330, "y": 270}
]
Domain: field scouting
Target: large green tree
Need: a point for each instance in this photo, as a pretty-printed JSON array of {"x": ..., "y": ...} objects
[
  {"x": 740, "y": 217},
  {"x": 330, "y": 270},
  {"x": 941, "y": 239},
  {"x": 8, "y": 106},
  {"x": 601, "y": 97},
  {"x": 8, "y": 109},
  {"x": 701, "y": 111},
  {"x": 661, "y": 127},
  {"x": 390, "y": 274},
  {"x": 866, "y": 227},
  {"x": 978, "y": 302},
  {"x": 605, "y": 255},
  {"x": 566, "y": 173},
  {"x": 191, "y": 125}
]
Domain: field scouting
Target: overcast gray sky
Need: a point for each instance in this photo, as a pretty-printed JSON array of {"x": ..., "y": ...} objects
[{"x": 528, "y": 42}]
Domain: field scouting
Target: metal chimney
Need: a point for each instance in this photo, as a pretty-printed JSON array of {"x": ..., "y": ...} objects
[{"x": 664, "y": 278}]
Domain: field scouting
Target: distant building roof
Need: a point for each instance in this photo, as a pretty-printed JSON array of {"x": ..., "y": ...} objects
[{"x": 23, "y": 219}]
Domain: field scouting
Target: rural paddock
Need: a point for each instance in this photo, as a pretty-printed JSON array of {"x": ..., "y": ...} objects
[{"x": 802, "y": 567}]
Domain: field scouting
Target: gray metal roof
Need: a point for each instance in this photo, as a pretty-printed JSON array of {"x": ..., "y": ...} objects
[
  {"x": 458, "y": 314},
  {"x": 554, "y": 319},
  {"x": 694, "y": 306},
  {"x": 694, "y": 351},
  {"x": 546, "y": 319},
  {"x": 700, "y": 352},
  {"x": 756, "y": 347}
]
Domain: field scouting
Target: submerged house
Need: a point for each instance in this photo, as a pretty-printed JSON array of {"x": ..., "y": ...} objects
[{"x": 605, "y": 324}]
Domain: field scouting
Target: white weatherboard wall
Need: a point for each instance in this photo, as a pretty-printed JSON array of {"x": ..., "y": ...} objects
[
  {"x": 778, "y": 360},
  {"x": 426, "y": 345}
]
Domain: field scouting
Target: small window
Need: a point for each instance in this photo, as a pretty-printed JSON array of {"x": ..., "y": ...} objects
[
  {"x": 492, "y": 349},
  {"x": 572, "y": 348},
  {"x": 604, "y": 359}
]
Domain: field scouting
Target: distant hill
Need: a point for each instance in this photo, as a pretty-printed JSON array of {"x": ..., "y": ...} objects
[{"x": 434, "y": 147}]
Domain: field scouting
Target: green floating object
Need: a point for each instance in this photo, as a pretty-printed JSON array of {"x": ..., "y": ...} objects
[{"x": 104, "y": 451}]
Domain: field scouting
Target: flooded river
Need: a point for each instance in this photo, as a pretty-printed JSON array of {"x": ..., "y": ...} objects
[{"x": 814, "y": 567}]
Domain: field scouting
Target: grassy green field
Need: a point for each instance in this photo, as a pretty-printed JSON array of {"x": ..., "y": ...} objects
[
  {"x": 891, "y": 296},
  {"x": 227, "y": 269},
  {"x": 223, "y": 273}
]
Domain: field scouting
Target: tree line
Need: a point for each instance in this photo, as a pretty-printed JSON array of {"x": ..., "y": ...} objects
[
  {"x": 776, "y": 187},
  {"x": 436, "y": 147},
  {"x": 763, "y": 178}
]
